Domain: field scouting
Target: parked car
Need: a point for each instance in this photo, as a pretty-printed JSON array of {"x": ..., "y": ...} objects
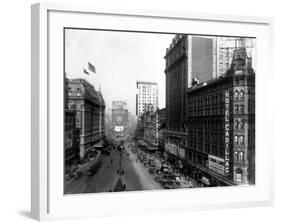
[{"x": 94, "y": 168}]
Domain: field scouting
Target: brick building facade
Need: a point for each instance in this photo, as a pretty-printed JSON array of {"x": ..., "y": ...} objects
[
  {"x": 221, "y": 126},
  {"x": 88, "y": 106}
]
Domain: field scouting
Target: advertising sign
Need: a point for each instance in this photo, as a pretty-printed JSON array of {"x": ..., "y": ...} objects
[
  {"x": 119, "y": 117},
  {"x": 171, "y": 148},
  {"x": 181, "y": 153},
  {"x": 118, "y": 128},
  {"x": 216, "y": 164},
  {"x": 119, "y": 105},
  {"x": 226, "y": 139},
  {"x": 239, "y": 177}
]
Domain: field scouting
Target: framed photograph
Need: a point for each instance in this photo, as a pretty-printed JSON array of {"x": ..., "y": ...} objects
[{"x": 148, "y": 111}]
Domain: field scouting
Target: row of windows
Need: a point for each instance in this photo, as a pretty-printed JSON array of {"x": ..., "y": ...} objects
[
  {"x": 239, "y": 94},
  {"x": 214, "y": 99},
  {"x": 239, "y": 139},
  {"x": 209, "y": 136},
  {"x": 207, "y": 100},
  {"x": 207, "y": 111},
  {"x": 195, "y": 138},
  {"x": 239, "y": 109},
  {"x": 207, "y": 124},
  {"x": 239, "y": 124},
  {"x": 239, "y": 81},
  {"x": 239, "y": 156}
]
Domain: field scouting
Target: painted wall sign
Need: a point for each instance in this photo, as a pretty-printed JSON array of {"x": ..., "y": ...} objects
[{"x": 227, "y": 129}]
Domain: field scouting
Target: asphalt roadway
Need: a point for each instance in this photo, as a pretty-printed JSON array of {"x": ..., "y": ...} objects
[{"x": 134, "y": 176}]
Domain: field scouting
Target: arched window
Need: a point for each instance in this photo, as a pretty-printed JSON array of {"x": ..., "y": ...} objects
[
  {"x": 241, "y": 140},
  {"x": 236, "y": 94},
  {"x": 241, "y": 156},
  {"x": 241, "y": 95},
  {"x": 243, "y": 124},
  {"x": 236, "y": 109},
  {"x": 239, "y": 124},
  {"x": 241, "y": 109}
]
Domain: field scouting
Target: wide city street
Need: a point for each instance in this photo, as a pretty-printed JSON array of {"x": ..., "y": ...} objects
[{"x": 134, "y": 176}]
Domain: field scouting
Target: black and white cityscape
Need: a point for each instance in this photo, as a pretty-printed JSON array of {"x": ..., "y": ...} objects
[{"x": 149, "y": 111}]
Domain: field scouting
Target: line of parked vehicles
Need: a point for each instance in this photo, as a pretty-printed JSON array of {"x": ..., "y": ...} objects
[{"x": 162, "y": 171}]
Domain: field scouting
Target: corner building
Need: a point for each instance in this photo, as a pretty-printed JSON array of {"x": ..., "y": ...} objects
[
  {"x": 221, "y": 126},
  {"x": 89, "y": 107}
]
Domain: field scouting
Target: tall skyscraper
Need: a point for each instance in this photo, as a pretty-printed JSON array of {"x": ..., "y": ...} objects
[
  {"x": 201, "y": 57},
  {"x": 188, "y": 57},
  {"x": 147, "y": 97},
  {"x": 192, "y": 58}
]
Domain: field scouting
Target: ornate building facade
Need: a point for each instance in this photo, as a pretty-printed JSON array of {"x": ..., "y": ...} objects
[
  {"x": 71, "y": 152},
  {"x": 119, "y": 116},
  {"x": 89, "y": 107},
  {"x": 221, "y": 126}
]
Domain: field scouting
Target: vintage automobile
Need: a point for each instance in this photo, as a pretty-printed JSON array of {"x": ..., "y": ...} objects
[{"x": 94, "y": 168}]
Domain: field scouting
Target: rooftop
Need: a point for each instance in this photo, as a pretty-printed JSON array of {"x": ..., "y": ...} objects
[
  {"x": 81, "y": 88},
  {"x": 146, "y": 82},
  {"x": 175, "y": 41}
]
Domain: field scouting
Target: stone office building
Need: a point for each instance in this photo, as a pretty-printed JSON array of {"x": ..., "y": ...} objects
[
  {"x": 89, "y": 107},
  {"x": 188, "y": 57},
  {"x": 146, "y": 97},
  {"x": 71, "y": 149},
  {"x": 221, "y": 126},
  {"x": 119, "y": 116}
]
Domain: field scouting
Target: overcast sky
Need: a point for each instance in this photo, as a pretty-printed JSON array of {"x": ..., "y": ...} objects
[{"x": 120, "y": 59}]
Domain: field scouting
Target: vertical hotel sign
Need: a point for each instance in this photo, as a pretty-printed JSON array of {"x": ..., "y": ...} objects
[{"x": 226, "y": 155}]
